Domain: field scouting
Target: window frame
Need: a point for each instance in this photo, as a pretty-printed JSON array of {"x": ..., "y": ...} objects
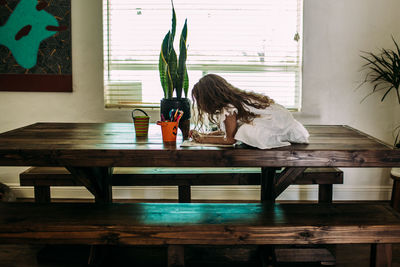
[{"x": 208, "y": 68}]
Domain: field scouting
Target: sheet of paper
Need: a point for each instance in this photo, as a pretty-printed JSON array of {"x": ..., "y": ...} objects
[{"x": 188, "y": 143}]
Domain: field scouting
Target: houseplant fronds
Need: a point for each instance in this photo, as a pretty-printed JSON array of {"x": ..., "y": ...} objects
[
  {"x": 396, "y": 132},
  {"x": 383, "y": 71}
]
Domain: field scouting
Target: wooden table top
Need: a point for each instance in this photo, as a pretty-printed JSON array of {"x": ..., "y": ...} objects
[{"x": 115, "y": 144}]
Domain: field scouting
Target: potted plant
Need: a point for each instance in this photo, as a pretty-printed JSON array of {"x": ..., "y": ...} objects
[
  {"x": 174, "y": 77},
  {"x": 383, "y": 72}
]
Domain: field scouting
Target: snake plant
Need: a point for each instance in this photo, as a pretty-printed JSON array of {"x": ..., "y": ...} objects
[{"x": 173, "y": 71}]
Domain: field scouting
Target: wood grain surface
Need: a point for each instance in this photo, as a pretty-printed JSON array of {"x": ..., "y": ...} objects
[
  {"x": 136, "y": 176},
  {"x": 115, "y": 145},
  {"x": 212, "y": 224}
]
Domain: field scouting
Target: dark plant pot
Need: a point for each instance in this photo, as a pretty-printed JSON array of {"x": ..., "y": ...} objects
[{"x": 181, "y": 104}]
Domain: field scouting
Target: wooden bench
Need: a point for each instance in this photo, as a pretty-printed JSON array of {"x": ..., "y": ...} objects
[
  {"x": 44, "y": 177},
  {"x": 178, "y": 224}
]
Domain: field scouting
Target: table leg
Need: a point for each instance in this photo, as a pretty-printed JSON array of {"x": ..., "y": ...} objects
[
  {"x": 96, "y": 179},
  {"x": 176, "y": 256},
  {"x": 184, "y": 194},
  {"x": 272, "y": 184},
  {"x": 268, "y": 184},
  {"x": 287, "y": 177},
  {"x": 381, "y": 255}
]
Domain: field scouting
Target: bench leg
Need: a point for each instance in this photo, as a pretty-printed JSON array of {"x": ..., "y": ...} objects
[
  {"x": 267, "y": 255},
  {"x": 184, "y": 194},
  {"x": 42, "y": 194},
  {"x": 176, "y": 256},
  {"x": 395, "y": 201},
  {"x": 98, "y": 254},
  {"x": 381, "y": 255},
  {"x": 325, "y": 193},
  {"x": 268, "y": 184}
]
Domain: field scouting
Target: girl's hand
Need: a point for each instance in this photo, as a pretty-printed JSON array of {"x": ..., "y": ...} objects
[
  {"x": 195, "y": 136},
  {"x": 198, "y": 139},
  {"x": 192, "y": 132}
]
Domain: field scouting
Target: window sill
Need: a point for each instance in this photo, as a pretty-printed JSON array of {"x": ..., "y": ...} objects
[{"x": 130, "y": 106}]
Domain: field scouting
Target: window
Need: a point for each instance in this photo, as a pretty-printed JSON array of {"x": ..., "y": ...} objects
[{"x": 254, "y": 44}]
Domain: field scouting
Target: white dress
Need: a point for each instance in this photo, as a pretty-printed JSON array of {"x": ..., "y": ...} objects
[{"x": 275, "y": 127}]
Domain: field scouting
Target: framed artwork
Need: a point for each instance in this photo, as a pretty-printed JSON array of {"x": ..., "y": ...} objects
[{"x": 35, "y": 45}]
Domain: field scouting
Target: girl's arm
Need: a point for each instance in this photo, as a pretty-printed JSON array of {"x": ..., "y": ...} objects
[
  {"x": 230, "y": 127},
  {"x": 218, "y": 132},
  {"x": 194, "y": 133}
]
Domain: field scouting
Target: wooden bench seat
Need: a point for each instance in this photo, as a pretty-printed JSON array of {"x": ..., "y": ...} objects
[
  {"x": 176, "y": 224},
  {"x": 44, "y": 177}
]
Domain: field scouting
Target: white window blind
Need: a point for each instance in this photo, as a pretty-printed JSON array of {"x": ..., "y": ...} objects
[{"x": 254, "y": 44}]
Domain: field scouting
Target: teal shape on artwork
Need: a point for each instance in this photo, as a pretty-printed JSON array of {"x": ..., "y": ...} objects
[{"x": 24, "y": 30}]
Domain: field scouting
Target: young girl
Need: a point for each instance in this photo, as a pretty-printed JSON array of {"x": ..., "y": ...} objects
[{"x": 251, "y": 118}]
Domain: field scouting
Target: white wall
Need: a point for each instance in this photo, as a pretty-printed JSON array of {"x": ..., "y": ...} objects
[{"x": 334, "y": 34}]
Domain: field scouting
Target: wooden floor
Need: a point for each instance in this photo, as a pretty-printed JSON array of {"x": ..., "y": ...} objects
[{"x": 63, "y": 256}]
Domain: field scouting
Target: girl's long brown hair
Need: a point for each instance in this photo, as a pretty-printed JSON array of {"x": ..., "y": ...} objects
[{"x": 212, "y": 93}]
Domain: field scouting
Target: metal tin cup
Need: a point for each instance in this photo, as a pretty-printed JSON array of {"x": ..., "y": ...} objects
[{"x": 141, "y": 123}]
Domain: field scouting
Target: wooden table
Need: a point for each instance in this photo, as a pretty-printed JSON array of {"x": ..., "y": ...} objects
[{"x": 91, "y": 150}]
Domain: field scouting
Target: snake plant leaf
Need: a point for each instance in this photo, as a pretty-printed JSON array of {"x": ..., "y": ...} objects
[
  {"x": 186, "y": 83},
  {"x": 170, "y": 84},
  {"x": 182, "y": 60},
  {"x": 165, "y": 77},
  {"x": 173, "y": 28},
  {"x": 178, "y": 85},
  {"x": 173, "y": 72},
  {"x": 173, "y": 65},
  {"x": 171, "y": 36},
  {"x": 164, "y": 46},
  {"x": 163, "y": 68},
  {"x": 163, "y": 64}
]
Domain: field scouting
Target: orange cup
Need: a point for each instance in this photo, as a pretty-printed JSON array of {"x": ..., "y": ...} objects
[{"x": 169, "y": 130}]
